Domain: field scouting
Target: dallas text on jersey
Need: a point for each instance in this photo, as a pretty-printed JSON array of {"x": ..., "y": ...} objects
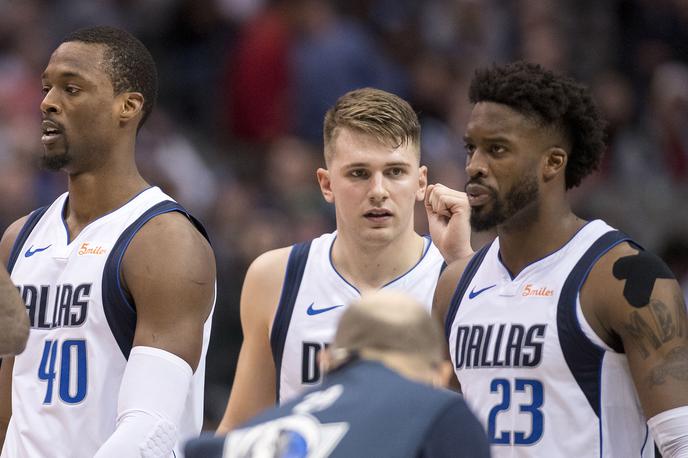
[
  {"x": 499, "y": 345},
  {"x": 69, "y": 307}
]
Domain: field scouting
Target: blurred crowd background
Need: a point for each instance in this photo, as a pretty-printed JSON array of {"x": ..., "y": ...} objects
[{"x": 244, "y": 84}]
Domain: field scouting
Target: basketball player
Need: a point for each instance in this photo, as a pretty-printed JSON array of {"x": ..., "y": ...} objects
[
  {"x": 14, "y": 323},
  {"x": 564, "y": 334},
  {"x": 376, "y": 399},
  {"x": 293, "y": 297},
  {"x": 118, "y": 280}
]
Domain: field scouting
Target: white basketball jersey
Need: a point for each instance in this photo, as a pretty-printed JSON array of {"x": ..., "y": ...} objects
[
  {"x": 313, "y": 298},
  {"x": 532, "y": 368},
  {"x": 65, "y": 384}
]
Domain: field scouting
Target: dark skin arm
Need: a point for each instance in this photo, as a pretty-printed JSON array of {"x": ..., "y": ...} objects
[
  {"x": 446, "y": 286},
  {"x": 8, "y": 362},
  {"x": 169, "y": 269},
  {"x": 653, "y": 332}
]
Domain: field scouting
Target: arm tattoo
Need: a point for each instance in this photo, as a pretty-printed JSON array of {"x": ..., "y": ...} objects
[
  {"x": 667, "y": 323},
  {"x": 675, "y": 365}
]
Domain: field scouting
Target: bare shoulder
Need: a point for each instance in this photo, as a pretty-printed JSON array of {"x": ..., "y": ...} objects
[
  {"x": 10, "y": 236},
  {"x": 169, "y": 253},
  {"x": 172, "y": 236},
  {"x": 446, "y": 287},
  {"x": 623, "y": 286}
]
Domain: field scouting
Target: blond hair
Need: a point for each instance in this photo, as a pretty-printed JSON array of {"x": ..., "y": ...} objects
[
  {"x": 386, "y": 324},
  {"x": 382, "y": 115}
]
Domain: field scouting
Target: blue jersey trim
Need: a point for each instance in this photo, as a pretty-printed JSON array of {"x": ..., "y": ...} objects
[
  {"x": 642, "y": 449},
  {"x": 426, "y": 249},
  {"x": 24, "y": 233},
  {"x": 501, "y": 261},
  {"x": 468, "y": 274},
  {"x": 290, "y": 290},
  {"x": 118, "y": 305},
  {"x": 64, "y": 210},
  {"x": 583, "y": 357}
]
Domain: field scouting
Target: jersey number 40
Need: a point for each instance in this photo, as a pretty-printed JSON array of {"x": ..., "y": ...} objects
[{"x": 72, "y": 377}]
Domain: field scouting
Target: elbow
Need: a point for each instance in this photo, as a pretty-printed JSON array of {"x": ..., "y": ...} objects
[
  {"x": 22, "y": 337},
  {"x": 18, "y": 336}
]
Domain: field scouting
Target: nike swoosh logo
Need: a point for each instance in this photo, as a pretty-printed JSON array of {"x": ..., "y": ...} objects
[
  {"x": 474, "y": 293},
  {"x": 31, "y": 252},
  {"x": 313, "y": 311}
]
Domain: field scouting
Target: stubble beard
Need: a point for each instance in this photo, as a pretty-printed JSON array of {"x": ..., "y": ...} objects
[
  {"x": 55, "y": 162},
  {"x": 506, "y": 211}
]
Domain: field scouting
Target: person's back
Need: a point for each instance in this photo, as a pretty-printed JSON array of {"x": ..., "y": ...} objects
[
  {"x": 378, "y": 399},
  {"x": 361, "y": 409}
]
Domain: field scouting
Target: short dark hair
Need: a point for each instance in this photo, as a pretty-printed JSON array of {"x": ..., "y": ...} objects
[
  {"x": 554, "y": 100},
  {"x": 127, "y": 62}
]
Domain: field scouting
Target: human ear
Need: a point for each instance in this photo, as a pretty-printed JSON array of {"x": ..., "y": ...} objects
[
  {"x": 325, "y": 184},
  {"x": 422, "y": 183},
  {"x": 131, "y": 106},
  {"x": 555, "y": 163}
]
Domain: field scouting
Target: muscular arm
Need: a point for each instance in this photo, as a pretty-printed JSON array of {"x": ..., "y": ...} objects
[
  {"x": 446, "y": 286},
  {"x": 169, "y": 270},
  {"x": 7, "y": 362},
  {"x": 631, "y": 302},
  {"x": 254, "y": 384}
]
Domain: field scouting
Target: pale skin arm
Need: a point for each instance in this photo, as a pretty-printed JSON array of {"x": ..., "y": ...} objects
[
  {"x": 654, "y": 335},
  {"x": 449, "y": 221},
  {"x": 8, "y": 362},
  {"x": 254, "y": 384}
]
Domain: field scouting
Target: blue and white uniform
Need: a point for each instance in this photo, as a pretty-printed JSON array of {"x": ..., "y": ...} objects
[
  {"x": 531, "y": 367},
  {"x": 313, "y": 298},
  {"x": 362, "y": 409},
  {"x": 65, "y": 385}
]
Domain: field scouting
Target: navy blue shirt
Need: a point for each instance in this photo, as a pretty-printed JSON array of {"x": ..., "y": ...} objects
[{"x": 361, "y": 409}]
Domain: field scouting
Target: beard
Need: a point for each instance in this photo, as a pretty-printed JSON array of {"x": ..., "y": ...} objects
[
  {"x": 56, "y": 161},
  {"x": 521, "y": 195}
]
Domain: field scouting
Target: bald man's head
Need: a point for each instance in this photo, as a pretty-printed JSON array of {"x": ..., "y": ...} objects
[{"x": 393, "y": 328}]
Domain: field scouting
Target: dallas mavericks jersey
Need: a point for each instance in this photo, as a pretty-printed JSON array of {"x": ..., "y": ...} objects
[
  {"x": 313, "y": 298},
  {"x": 66, "y": 382},
  {"x": 531, "y": 367}
]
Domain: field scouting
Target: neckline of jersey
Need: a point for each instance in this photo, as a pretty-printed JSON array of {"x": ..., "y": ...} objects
[
  {"x": 426, "y": 240},
  {"x": 100, "y": 218},
  {"x": 546, "y": 257}
]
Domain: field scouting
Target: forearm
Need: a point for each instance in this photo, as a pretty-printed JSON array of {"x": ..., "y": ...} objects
[
  {"x": 670, "y": 431},
  {"x": 151, "y": 402}
]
